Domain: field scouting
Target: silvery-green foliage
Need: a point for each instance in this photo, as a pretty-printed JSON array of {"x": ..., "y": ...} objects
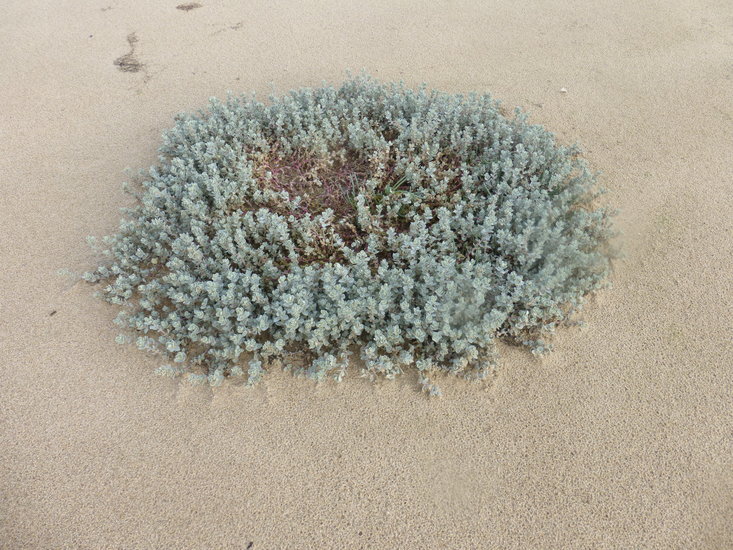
[{"x": 459, "y": 226}]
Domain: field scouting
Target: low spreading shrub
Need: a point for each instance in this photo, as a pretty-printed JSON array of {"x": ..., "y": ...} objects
[{"x": 414, "y": 228}]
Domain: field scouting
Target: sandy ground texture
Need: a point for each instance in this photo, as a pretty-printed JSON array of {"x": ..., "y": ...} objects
[{"x": 622, "y": 438}]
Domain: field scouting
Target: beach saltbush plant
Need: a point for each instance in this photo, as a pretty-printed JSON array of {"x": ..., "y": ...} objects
[{"x": 412, "y": 227}]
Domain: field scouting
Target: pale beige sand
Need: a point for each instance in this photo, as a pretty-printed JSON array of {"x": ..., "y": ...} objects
[{"x": 622, "y": 438}]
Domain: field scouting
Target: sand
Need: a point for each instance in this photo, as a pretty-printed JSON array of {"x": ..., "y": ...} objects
[{"x": 621, "y": 438}]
